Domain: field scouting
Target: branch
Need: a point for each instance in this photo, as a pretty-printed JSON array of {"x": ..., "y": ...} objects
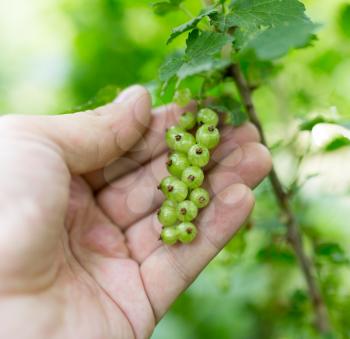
[{"x": 291, "y": 222}]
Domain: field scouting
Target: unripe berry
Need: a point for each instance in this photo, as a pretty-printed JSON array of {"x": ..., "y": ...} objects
[
  {"x": 169, "y": 235},
  {"x": 193, "y": 177},
  {"x": 174, "y": 189},
  {"x": 187, "y": 211},
  {"x": 208, "y": 136},
  {"x": 177, "y": 163},
  {"x": 187, "y": 120},
  {"x": 181, "y": 141},
  {"x": 200, "y": 197},
  {"x": 169, "y": 203},
  {"x": 206, "y": 116},
  {"x": 186, "y": 232},
  {"x": 167, "y": 216},
  {"x": 198, "y": 155}
]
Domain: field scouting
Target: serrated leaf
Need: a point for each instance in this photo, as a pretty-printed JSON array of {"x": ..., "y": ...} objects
[
  {"x": 269, "y": 28},
  {"x": 201, "y": 51},
  {"x": 222, "y": 22},
  {"x": 248, "y": 14},
  {"x": 190, "y": 24},
  {"x": 277, "y": 41},
  {"x": 200, "y": 44},
  {"x": 170, "y": 67},
  {"x": 337, "y": 143}
]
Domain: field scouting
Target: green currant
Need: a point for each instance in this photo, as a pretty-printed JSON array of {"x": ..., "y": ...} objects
[
  {"x": 198, "y": 155},
  {"x": 177, "y": 163},
  {"x": 187, "y": 120},
  {"x": 186, "y": 232},
  {"x": 181, "y": 141},
  {"x": 206, "y": 116},
  {"x": 187, "y": 211},
  {"x": 193, "y": 177},
  {"x": 170, "y": 135},
  {"x": 208, "y": 136},
  {"x": 200, "y": 197},
  {"x": 167, "y": 216},
  {"x": 169, "y": 203},
  {"x": 174, "y": 189},
  {"x": 183, "y": 97},
  {"x": 169, "y": 235}
]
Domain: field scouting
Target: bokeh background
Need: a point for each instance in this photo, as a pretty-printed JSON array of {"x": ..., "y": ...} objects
[{"x": 55, "y": 55}]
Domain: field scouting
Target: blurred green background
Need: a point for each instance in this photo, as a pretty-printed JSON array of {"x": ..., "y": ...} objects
[{"x": 55, "y": 55}]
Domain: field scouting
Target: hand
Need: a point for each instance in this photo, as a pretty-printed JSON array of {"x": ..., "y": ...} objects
[{"x": 79, "y": 249}]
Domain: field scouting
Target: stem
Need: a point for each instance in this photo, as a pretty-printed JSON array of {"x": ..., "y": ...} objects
[{"x": 291, "y": 222}]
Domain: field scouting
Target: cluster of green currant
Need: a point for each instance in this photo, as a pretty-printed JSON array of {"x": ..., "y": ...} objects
[{"x": 182, "y": 189}]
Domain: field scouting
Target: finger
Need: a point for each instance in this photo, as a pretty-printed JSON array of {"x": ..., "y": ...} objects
[
  {"x": 137, "y": 194},
  {"x": 147, "y": 148},
  {"x": 169, "y": 270},
  {"x": 89, "y": 140},
  {"x": 143, "y": 236}
]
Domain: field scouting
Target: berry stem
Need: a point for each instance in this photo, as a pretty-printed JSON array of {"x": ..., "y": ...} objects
[{"x": 291, "y": 222}]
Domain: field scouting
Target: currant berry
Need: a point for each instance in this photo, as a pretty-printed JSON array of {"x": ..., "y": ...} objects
[
  {"x": 177, "y": 163},
  {"x": 198, "y": 155},
  {"x": 187, "y": 211},
  {"x": 187, "y": 120},
  {"x": 174, "y": 189},
  {"x": 208, "y": 136},
  {"x": 206, "y": 116},
  {"x": 169, "y": 203},
  {"x": 180, "y": 142},
  {"x": 193, "y": 177},
  {"x": 169, "y": 235},
  {"x": 186, "y": 232},
  {"x": 167, "y": 216},
  {"x": 200, "y": 197},
  {"x": 170, "y": 135},
  {"x": 183, "y": 97}
]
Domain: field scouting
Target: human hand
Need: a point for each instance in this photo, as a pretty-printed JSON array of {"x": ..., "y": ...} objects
[{"x": 79, "y": 249}]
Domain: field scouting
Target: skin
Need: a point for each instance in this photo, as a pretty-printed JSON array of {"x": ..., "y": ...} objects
[{"x": 79, "y": 249}]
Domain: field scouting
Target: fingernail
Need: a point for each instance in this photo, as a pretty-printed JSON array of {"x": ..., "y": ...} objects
[
  {"x": 233, "y": 194},
  {"x": 127, "y": 93}
]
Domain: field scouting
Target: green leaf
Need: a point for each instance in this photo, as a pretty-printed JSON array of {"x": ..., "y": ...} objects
[
  {"x": 277, "y": 41},
  {"x": 269, "y": 28},
  {"x": 190, "y": 24},
  {"x": 337, "y": 143},
  {"x": 309, "y": 124},
  {"x": 171, "y": 66},
  {"x": 201, "y": 65},
  {"x": 222, "y": 22},
  {"x": 200, "y": 53},
  {"x": 254, "y": 14},
  {"x": 333, "y": 252},
  {"x": 200, "y": 44},
  {"x": 165, "y": 7},
  {"x": 232, "y": 109},
  {"x": 278, "y": 254}
]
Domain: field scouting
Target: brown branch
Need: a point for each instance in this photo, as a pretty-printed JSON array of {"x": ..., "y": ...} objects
[{"x": 291, "y": 222}]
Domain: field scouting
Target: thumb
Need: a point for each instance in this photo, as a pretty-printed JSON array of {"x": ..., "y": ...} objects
[{"x": 89, "y": 140}]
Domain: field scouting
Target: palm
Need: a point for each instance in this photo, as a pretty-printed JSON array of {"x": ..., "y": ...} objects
[{"x": 101, "y": 269}]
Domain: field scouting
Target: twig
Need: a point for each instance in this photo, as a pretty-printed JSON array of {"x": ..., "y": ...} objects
[{"x": 291, "y": 222}]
